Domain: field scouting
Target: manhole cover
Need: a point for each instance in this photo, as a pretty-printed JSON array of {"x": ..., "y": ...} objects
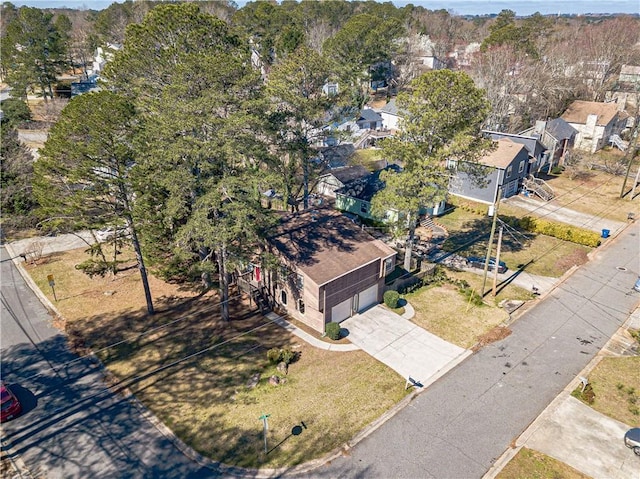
[{"x": 621, "y": 268}]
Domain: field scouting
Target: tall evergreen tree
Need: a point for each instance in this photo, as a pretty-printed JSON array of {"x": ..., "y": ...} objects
[
  {"x": 32, "y": 52},
  {"x": 442, "y": 115},
  {"x": 83, "y": 175},
  {"x": 190, "y": 77}
]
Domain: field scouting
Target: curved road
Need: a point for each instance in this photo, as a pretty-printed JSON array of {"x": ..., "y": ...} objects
[{"x": 72, "y": 425}]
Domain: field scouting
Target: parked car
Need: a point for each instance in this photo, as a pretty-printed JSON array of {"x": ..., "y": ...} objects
[
  {"x": 632, "y": 440},
  {"x": 107, "y": 234},
  {"x": 10, "y": 405},
  {"x": 477, "y": 262}
]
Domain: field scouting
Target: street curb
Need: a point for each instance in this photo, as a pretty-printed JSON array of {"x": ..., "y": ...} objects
[{"x": 522, "y": 439}]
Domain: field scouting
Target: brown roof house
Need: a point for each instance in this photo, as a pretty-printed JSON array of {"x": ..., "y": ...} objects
[
  {"x": 330, "y": 269},
  {"x": 505, "y": 167},
  {"x": 597, "y": 123}
]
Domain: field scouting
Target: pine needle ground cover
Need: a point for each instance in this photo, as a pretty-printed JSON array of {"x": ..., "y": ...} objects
[{"x": 195, "y": 372}]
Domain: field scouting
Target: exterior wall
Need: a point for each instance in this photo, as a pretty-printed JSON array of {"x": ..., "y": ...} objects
[
  {"x": 389, "y": 121},
  {"x": 327, "y": 185},
  {"x": 319, "y": 300},
  {"x": 592, "y": 137},
  {"x": 361, "y": 208},
  {"x": 510, "y": 178}
]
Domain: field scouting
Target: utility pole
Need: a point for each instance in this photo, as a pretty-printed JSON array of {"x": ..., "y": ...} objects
[
  {"x": 496, "y": 204},
  {"x": 495, "y": 273}
]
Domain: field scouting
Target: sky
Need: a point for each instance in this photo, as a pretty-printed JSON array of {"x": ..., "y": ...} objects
[{"x": 461, "y": 7}]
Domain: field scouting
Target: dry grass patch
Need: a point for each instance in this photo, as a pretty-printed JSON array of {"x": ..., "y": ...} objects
[
  {"x": 529, "y": 464},
  {"x": 445, "y": 312},
  {"x": 192, "y": 370},
  {"x": 616, "y": 385}
]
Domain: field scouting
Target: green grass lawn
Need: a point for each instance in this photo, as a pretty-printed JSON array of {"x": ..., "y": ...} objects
[
  {"x": 529, "y": 464},
  {"x": 616, "y": 385}
]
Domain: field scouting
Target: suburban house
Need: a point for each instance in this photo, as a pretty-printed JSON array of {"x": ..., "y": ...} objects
[
  {"x": 330, "y": 268},
  {"x": 337, "y": 178},
  {"x": 597, "y": 123},
  {"x": 535, "y": 148},
  {"x": 390, "y": 115},
  {"x": 505, "y": 167},
  {"x": 369, "y": 120},
  {"x": 558, "y": 138},
  {"x": 630, "y": 74},
  {"x": 355, "y": 197}
]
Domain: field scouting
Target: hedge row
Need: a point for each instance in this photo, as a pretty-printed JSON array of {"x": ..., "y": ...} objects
[{"x": 557, "y": 230}]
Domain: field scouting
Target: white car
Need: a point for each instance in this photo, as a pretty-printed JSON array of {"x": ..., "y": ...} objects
[{"x": 109, "y": 233}]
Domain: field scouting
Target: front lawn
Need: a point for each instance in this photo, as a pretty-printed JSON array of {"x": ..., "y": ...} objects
[
  {"x": 192, "y": 370},
  {"x": 530, "y": 464}
]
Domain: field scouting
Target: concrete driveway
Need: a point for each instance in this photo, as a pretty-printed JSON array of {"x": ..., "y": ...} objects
[
  {"x": 404, "y": 347},
  {"x": 588, "y": 441}
]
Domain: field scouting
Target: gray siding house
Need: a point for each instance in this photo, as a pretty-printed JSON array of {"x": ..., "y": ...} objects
[{"x": 506, "y": 166}]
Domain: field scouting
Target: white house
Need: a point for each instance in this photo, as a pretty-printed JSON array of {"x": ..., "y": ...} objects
[{"x": 595, "y": 122}]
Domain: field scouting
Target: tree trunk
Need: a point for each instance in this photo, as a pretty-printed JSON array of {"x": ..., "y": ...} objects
[
  {"x": 305, "y": 169},
  {"x": 142, "y": 269},
  {"x": 224, "y": 283}
]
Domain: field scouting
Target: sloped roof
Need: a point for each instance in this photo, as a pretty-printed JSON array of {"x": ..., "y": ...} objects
[
  {"x": 367, "y": 114},
  {"x": 579, "y": 111},
  {"x": 349, "y": 173},
  {"x": 391, "y": 108},
  {"x": 560, "y": 129},
  {"x": 366, "y": 187},
  {"x": 325, "y": 245},
  {"x": 503, "y": 155}
]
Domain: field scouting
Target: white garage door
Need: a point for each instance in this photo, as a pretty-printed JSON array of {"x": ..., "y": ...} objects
[
  {"x": 341, "y": 311},
  {"x": 368, "y": 297}
]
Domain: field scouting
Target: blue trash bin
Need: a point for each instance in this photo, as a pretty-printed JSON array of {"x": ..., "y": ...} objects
[{"x": 605, "y": 233}]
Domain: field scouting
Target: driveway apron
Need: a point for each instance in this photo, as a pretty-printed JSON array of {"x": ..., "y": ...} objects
[{"x": 404, "y": 347}]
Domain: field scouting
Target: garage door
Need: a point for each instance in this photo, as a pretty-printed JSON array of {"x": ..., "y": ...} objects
[
  {"x": 368, "y": 297},
  {"x": 341, "y": 311}
]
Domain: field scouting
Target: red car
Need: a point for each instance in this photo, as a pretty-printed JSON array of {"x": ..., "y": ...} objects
[{"x": 10, "y": 405}]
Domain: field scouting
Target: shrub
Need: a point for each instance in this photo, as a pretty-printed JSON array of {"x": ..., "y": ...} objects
[
  {"x": 286, "y": 356},
  {"x": 333, "y": 331},
  {"x": 391, "y": 298},
  {"x": 557, "y": 230},
  {"x": 273, "y": 355}
]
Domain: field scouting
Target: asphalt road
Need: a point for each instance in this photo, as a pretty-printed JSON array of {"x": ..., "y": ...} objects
[
  {"x": 72, "y": 425},
  {"x": 463, "y": 422}
]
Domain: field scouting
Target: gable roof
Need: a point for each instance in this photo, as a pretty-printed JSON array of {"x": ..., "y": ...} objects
[
  {"x": 366, "y": 187},
  {"x": 325, "y": 245},
  {"x": 391, "y": 108},
  {"x": 560, "y": 129},
  {"x": 503, "y": 155},
  {"x": 532, "y": 143},
  {"x": 367, "y": 114},
  {"x": 579, "y": 111},
  {"x": 349, "y": 173}
]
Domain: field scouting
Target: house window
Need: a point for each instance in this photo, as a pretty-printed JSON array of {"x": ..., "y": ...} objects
[
  {"x": 301, "y": 306},
  {"x": 388, "y": 266},
  {"x": 509, "y": 171},
  {"x": 451, "y": 164},
  {"x": 521, "y": 167},
  {"x": 364, "y": 208},
  {"x": 283, "y": 297},
  {"x": 299, "y": 282}
]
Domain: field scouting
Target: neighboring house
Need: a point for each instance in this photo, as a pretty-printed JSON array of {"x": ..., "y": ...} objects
[
  {"x": 331, "y": 268},
  {"x": 463, "y": 54},
  {"x": 506, "y": 168},
  {"x": 369, "y": 120},
  {"x": 630, "y": 74},
  {"x": 595, "y": 122},
  {"x": 390, "y": 115},
  {"x": 85, "y": 85},
  {"x": 355, "y": 197},
  {"x": 335, "y": 179},
  {"x": 557, "y": 136},
  {"x": 537, "y": 151}
]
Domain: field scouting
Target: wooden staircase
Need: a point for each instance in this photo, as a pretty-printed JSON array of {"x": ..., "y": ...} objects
[
  {"x": 438, "y": 230},
  {"x": 538, "y": 187}
]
